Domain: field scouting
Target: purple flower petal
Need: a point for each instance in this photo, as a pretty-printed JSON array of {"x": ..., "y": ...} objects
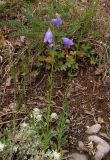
[
  {"x": 68, "y": 42},
  {"x": 57, "y": 22},
  {"x": 48, "y": 37}
]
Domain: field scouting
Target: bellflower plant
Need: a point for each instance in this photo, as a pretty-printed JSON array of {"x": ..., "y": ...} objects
[
  {"x": 68, "y": 42},
  {"x": 48, "y": 37},
  {"x": 57, "y": 21}
]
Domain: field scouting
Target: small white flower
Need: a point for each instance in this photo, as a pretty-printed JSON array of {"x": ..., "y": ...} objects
[
  {"x": 15, "y": 148},
  {"x": 54, "y": 116},
  {"x": 24, "y": 125},
  {"x": 2, "y": 146},
  {"x": 36, "y": 111},
  {"x": 56, "y": 155},
  {"x": 38, "y": 118},
  {"x": 49, "y": 154}
]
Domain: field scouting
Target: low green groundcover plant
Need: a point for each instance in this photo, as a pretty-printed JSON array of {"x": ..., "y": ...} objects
[{"x": 34, "y": 140}]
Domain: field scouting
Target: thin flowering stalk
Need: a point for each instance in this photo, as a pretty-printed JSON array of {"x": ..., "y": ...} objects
[
  {"x": 47, "y": 133},
  {"x": 54, "y": 23},
  {"x": 53, "y": 31},
  {"x": 56, "y": 5},
  {"x": 48, "y": 118}
]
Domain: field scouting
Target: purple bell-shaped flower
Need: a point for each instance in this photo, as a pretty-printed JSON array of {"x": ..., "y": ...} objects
[
  {"x": 57, "y": 21},
  {"x": 48, "y": 37},
  {"x": 68, "y": 42}
]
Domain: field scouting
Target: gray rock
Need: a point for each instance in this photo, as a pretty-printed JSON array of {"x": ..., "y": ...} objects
[
  {"x": 77, "y": 156},
  {"x": 103, "y": 147},
  {"x": 93, "y": 129}
]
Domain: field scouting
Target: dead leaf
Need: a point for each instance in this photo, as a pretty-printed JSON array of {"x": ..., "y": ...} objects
[
  {"x": 1, "y": 59},
  {"x": 2, "y": 2},
  {"x": 22, "y": 38},
  {"x": 73, "y": 53},
  {"x": 10, "y": 47},
  {"x": 8, "y": 81},
  {"x": 47, "y": 59},
  {"x": 98, "y": 71},
  {"x": 84, "y": 1},
  {"x": 18, "y": 41},
  {"x": 100, "y": 120},
  {"x": 12, "y": 106},
  {"x": 2, "y": 41}
]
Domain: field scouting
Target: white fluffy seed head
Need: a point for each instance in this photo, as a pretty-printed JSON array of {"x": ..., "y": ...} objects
[{"x": 54, "y": 116}]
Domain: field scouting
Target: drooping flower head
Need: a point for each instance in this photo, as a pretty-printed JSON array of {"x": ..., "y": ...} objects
[
  {"x": 57, "y": 21},
  {"x": 68, "y": 42},
  {"x": 48, "y": 37}
]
